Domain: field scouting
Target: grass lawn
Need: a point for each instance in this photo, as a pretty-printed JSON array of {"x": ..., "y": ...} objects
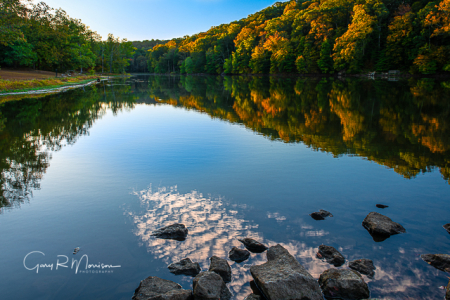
[{"x": 22, "y": 81}]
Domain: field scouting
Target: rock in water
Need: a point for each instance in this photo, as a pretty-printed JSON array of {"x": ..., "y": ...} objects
[
  {"x": 381, "y": 206},
  {"x": 220, "y": 266},
  {"x": 439, "y": 261},
  {"x": 252, "y": 245},
  {"x": 363, "y": 266},
  {"x": 283, "y": 277},
  {"x": 173, "y": 232},
  {"x": 253, "y": 297},
  {"x": 381, "y": 227},
  {"x": 238, "y": 255},
  {"x": 209, "y": 285},
  {"x": 157, "y": 288},
  {"x": 320, "y": 215},
  {"x": 447, "y": 292},
  {"x": 343, "y": 284},
  {"x": 185, "y": 267},
  {"x": 331, "y": 255},
  {"x": 447, "y": 227}
]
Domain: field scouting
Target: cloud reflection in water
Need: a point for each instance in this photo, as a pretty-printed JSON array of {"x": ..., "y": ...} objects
[{"x": 214, "y": 226}]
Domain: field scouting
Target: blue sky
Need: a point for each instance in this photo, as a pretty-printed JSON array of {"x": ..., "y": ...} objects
[{"x": 156, "y": 19}]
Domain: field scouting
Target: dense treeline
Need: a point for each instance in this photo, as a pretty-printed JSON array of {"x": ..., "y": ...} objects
[
  {"x": 139, "y": 61},
  {"x": 35, "y": 35},
  {"x": 318, "y": 36}
]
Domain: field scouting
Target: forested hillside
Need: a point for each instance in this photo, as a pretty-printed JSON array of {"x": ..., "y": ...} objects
[
  {"x": 319, "y": 36},
  {"x": 37, "y": 36},
  {"x": 139, "y": 61}
]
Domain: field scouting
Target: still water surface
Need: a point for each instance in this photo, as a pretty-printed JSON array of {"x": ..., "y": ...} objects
[{"x": 100, "y": 168}]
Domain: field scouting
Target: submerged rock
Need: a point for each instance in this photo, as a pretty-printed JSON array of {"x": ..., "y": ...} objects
[
  {"x": 320, "y": 215},
  {"x": 283, "y": 277},
  {"x": 185, "y": 267},
  {"x": 447, "y": 292},
  {"x": 381, "y": 206},
  {"x": 253, "y": 246},
  {"x": 253, "y": 297},
  {"x": 331, "y": 255},
  {"x": 209, "y": 285},
  {"x": 381, "y": 227},
  {"x": 363, "y": 266},
  {"x": 174, "y": 232},
  {"x": 343, "y": 284},
  {"x": 447, "y": 227},
  {"x": 238, "y": 255},
  {"x": 439, "y": 261},
  {"x": 161, "y": 289},
  {"x": 221, "y": 267}
]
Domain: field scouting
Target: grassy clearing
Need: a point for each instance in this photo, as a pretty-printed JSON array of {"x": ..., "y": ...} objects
[{"x": 9, "y": 86}]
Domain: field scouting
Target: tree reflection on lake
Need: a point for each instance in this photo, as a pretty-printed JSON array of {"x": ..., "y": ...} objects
[
  {"x": 401, "y": 125},
  {"x": 31, "y": 129}
]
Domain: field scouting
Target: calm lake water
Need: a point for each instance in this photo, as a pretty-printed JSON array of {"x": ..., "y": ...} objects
[{"x": 101, "y": 167}]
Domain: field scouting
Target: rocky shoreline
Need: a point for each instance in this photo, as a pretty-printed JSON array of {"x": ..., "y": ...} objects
[{"x": 282, "y": 276}]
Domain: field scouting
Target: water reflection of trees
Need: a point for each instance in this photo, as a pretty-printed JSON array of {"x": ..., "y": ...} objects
[
  {"x": 31, "y": 128},
  {"x": 402, "y": 125}
]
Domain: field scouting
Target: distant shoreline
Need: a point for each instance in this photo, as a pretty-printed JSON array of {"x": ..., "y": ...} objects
[{"x": 312, "y": 75}]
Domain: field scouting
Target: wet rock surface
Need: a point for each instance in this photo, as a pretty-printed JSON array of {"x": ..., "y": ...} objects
[
  {"x": 439, "y": 261},
  {"x": 320, "y": 215},
  {"x": 447, "y": 227},
  {"x": 363, "y": 266},
  {"x": 238, "y": 255},
  {"x": 185, "y": 267},
  {"x": 331, "y": 255},
  {"x": 209, "y": 285},
  {"x": 381, "y": 227},
  {"x": 382, "y": 206},
  {"x": 174, "y": 232},
  {"x": 253, "y": 246},
  {"x": 156, "y": 288},
  {"x": 447, "y": 292},
  {"x": 253, "y": 297},
  {"x": 221, "y": 267},
  {"x": 343, "y": 284},
  {"x": 283, "y": 277}
]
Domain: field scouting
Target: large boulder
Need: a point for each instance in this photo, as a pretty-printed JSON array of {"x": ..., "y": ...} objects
[
  {"x": 343, "y": 284},
  {"x": 210, "y": 286},
  {"x": 363, "y": 266},
  {"x": 381, "y": 227},
  {"x": 155, "y": 288},
  {"x": 185, "y": 267},
  {"x": 173, "y": 232},
  {"x": 253, "y": 246},
  {"x": 283, "y": 277},
  {"x": 221, "y": 267},
  {"x": 320, "y": 215},
  {"x": 439, "y": 261},
  {"x": 238, "y": 255},
  {"x": 331, "y": 255}
]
